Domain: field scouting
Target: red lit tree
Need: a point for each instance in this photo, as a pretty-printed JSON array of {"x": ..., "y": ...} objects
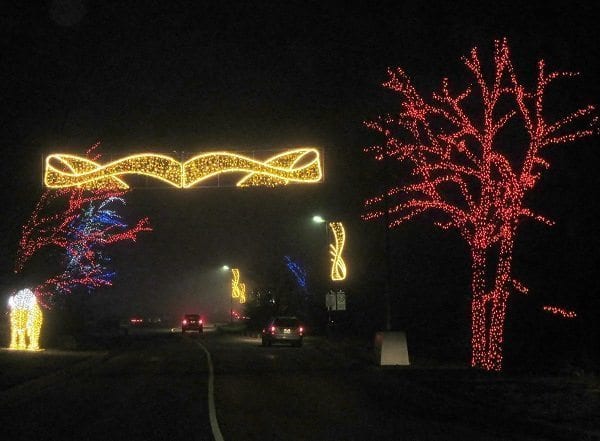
[
  {"x": 78, "y": 222},
  {"x": 461, "y": 176}
]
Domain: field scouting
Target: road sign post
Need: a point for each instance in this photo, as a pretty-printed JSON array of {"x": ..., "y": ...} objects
[{"x": 340, "y": 301}]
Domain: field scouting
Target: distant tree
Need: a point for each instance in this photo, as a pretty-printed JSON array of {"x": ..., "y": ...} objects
[
  {"x": 452, "y": 144},
  {"x": 82, "y": 223},
  {"x": 299, "y": 273}
]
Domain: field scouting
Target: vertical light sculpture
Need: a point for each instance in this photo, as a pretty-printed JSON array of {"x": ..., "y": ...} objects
[
  {"x": 338, "y": 266},
  {"x": 238, "y": 289},
  {"x": 25, "y": 321}
]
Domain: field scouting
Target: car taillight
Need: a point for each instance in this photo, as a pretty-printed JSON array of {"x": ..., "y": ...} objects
[
  {"x": 200, "y": 321},
  {"x": 273, "y": 329},
  {"x": 301, "y": 329},
  {"x": 185, "y": 322}
]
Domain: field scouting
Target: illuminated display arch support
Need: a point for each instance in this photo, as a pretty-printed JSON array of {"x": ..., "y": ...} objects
[
  {"x": 25, "y": 321},
  {"x": 238, "y": 289},
  {"x": 300, "y": 165},
  {"x": 338, "y": 266}
]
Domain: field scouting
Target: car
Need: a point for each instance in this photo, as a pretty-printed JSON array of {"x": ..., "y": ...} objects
[
  {"x": 191, "y": 322},
  {"x": 283, "y": 330},
  {"x": 136, "y": 321}
]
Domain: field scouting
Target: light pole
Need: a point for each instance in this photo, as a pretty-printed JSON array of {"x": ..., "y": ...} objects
[
  {"x": 226, "y": 268},
  {"x": 320, "y": 220}
]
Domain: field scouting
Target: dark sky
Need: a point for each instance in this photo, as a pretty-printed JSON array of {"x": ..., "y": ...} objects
[{"x": 197, "y": 76}]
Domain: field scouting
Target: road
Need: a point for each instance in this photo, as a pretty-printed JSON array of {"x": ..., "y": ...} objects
[{"x": 154, "y": 386}]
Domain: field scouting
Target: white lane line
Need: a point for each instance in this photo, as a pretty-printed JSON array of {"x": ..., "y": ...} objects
[{"x": 212, "y": 413}]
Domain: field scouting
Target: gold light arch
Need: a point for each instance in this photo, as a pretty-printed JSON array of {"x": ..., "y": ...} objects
[{"x": 300, "y": 165}]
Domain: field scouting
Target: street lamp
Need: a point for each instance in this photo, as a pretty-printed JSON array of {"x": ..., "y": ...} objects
[
  {"x": 226, "y": 268},
  {"x": 338, "y": 268}
]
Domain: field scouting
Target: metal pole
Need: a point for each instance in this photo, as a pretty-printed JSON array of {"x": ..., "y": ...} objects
[
  {"x": 388, "y": 274},
  {"x": 387, "y": 250}
]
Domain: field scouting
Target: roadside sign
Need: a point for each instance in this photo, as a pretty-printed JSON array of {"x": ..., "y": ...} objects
[
  {"x": 340, "y": 298},
  {"x": 330, "y": 301},
  {"x": 335, "y": 301}
]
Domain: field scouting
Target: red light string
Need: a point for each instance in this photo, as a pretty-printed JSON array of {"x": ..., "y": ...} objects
[
  {"x": 452, "y": 154},
  {"x": 52, "y": 224},
  {"x": 561, "y": 312}
]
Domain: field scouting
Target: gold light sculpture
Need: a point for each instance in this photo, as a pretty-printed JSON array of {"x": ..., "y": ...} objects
[
  {"x": 238, "y": 289},
  {"x": 301, "y": 165},
  {"x": 25, "y": 321},
  {"x": 338, "y": 266}
]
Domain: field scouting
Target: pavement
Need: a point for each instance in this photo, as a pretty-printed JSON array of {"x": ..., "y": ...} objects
[
  {"x": 551, "y": 406},
  {"x": 555, "y": 406}
]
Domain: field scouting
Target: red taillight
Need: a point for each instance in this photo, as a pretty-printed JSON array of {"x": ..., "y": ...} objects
[
  {"x": 185, "y": 322},
  {"x": 272, "y": 329},
  {"x": 301, "y": 329},
  {"x": 200, "y": 321}
]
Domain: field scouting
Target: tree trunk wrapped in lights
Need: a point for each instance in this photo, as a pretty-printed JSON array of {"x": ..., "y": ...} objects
[{"x": 462, "y": 175}]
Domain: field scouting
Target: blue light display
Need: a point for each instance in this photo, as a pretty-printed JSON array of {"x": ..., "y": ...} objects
[{"x": 298, "y": 272}]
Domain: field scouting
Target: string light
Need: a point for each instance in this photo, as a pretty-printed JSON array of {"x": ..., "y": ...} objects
[
  {"x": 238, "y": 289},
  {"x": 25, "y": 321},
  {"x": 564, "y": 313},
  {"x": 298, "y": 272},
  {"x": 301, "y": 165},
  {"x": 459, "y": 173},
  {"x": 338, "y": 266},
  {"x": 83, "y": 223}
]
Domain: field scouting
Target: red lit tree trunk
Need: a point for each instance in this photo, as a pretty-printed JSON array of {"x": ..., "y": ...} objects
[{"x": 488, "y": 304}]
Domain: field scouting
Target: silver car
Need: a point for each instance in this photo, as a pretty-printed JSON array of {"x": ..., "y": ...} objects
[{"x": 283, "y": 330}]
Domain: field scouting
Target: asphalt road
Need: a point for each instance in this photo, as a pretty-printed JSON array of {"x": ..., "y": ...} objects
[{"x": 155, "y": 386}]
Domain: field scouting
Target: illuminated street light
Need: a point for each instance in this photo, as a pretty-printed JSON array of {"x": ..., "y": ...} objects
[
  {"x": 318, "y": 219},
  {"x": 225, "y": 267}
]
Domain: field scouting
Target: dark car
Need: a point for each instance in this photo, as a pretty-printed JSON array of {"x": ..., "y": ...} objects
[
  {"x": 191, "y": 322},
  {"x": 283, "y": 330}
]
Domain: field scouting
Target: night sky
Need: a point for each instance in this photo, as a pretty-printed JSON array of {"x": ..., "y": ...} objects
[{"x": 199, "y": 76}]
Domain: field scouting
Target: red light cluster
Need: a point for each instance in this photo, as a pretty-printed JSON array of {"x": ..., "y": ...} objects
[
  {"x": 51, "y": 227},
  {"x": 454, "y": 152},
  {"x": 564, "y": 313}
]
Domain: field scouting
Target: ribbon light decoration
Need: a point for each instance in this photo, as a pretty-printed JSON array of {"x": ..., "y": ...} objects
[
  {"x": 338, "y": 266},
  {"x": 301, "y": 165},
  {"x": 238, "y": 289}
]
